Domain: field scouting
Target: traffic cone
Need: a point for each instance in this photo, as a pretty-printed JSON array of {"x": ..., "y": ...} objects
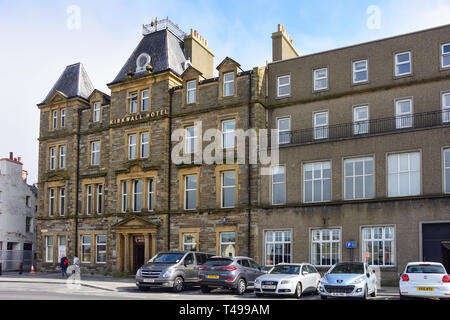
[{"x": 32, "y": 269}]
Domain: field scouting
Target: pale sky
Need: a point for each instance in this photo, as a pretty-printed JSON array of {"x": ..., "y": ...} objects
[{"x": 36, "y": 43}]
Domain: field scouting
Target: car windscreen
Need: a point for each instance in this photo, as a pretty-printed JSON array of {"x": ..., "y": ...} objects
[
  {"x": 285, "y": 270},
  {"x": 354, "y": 268},
  {"x": 417, "y": 268},
  {"x": 167, "y": 258},
  {"x": 218, "y": 262}
]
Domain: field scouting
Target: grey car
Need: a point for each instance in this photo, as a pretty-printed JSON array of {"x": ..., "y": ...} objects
[
  {"x": 235, "y": 273},
  {"x": 174, "y": 269},
  {"x": 349, "y": 279}
]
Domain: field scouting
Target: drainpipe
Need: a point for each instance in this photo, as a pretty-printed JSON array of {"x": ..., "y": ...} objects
[
  {"x": 77, "y": 189},
  {"x": 169, "y": 190},
  {"x": 249, "y": 174}
]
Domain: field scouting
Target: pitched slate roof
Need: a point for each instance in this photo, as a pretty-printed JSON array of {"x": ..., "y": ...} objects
[
  {"x": 73, "y": 82},
  {"x": 165, "y": 50}
]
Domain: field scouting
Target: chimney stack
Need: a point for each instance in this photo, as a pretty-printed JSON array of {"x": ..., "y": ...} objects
[
  {"x": 24, "y": 174},
  {"x": 282, "y": 46},
  {"x": 196, "y": 49},
  {"x": 10, "y": 156}
]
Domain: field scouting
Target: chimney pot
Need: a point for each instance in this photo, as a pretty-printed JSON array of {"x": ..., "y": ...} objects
[{"x": 10, "y": 156}]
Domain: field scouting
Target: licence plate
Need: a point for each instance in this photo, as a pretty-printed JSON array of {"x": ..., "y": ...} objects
[
  {"x": 149, "y": 280},
  {"x": 338, "y": 294},
  {"x": 212, "y": 276},
  {"x": 269, "y": 287},
  {"x": 425, "y": 289}
]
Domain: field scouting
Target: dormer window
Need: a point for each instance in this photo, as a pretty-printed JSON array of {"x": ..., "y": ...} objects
[
  {"x": 191, "y": 91},
  {"x": 96, "y": 112},
  {"x": 228, "y": 84},
  {"x": 142, "y": 61}
]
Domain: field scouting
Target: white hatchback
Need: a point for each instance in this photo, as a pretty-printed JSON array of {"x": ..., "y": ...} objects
[{"x": 425, "y": 280}]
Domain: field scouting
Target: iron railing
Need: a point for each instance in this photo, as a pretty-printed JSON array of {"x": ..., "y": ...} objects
[
  {"x": 157, "y": 25},
  {"x": 366, "y": 128}
]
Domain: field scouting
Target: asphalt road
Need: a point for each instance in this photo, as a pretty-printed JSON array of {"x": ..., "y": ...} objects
[{"x": 57, "y": 291}]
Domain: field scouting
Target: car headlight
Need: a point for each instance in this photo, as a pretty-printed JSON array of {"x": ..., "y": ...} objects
[
  {"x": 323, "y": 280},
  {"x": 358, "y": 280},
  {"x": 139, "y": 272},
  {"x": 256, "y": 281},
  {"x": 167, "y": 273},
  {"x": 285, "y": 281}
]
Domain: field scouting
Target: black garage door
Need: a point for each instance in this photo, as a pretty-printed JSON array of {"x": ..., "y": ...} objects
[{"x": 436, "y": 240}]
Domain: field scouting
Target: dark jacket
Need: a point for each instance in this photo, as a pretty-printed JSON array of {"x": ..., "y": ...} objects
[{"x": 64, "y": 262}]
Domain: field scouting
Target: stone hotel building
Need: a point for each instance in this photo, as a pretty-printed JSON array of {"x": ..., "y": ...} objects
[{"x": 364, "y": 150}]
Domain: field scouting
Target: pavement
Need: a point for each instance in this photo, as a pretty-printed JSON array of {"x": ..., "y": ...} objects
[{"x": 107, "y": 283}]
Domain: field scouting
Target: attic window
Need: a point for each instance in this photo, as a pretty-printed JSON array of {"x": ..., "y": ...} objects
[{"x": 142, "y": 61}]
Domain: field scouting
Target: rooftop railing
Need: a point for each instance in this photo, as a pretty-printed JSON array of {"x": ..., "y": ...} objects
[{"x": 366, "y": 128}]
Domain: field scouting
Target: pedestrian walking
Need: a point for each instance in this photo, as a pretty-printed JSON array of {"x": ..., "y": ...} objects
[{"x": 64, "y": 264}]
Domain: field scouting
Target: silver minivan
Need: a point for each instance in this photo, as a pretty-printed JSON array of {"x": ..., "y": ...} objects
[{"x": 171, "y": 269}]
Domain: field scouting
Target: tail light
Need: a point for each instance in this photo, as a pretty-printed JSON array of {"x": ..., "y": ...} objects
[
  {"x": 229, "y": 280},
  {"x": 229, "y": 268},
  {"x": 446, "y": 278},
  {"x": 405, "y": 277},
  {"x": 202, "y": 267}
]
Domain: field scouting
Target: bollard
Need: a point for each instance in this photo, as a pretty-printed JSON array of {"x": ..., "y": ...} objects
[{"x": 20, "y": 268}]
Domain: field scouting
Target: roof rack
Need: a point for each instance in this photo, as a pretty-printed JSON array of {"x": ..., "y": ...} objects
[{"x": 157, "y": 25}]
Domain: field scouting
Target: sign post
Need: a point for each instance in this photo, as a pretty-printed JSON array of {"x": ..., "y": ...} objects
[{"x": 351, "y": 245}]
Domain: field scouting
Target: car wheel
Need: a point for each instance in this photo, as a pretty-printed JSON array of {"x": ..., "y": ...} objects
[
  {"x": 178, "y": 284},
  {"x": 323, "y": 297},
  {"x": 241, "y": 286},
  {"x": 205, "y": 289},
  {"x": 298, "y": 291},
  {"x": 364, "y": 297},
  {"x": 144, "y": 289}
]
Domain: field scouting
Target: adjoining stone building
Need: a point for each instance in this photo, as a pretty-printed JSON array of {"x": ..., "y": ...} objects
[{"x": 112, "y": 192}]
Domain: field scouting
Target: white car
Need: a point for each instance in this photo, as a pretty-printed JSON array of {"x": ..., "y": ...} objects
[
  {"x": 290, "y": 279},
  {"x": 425, "y": 280}
]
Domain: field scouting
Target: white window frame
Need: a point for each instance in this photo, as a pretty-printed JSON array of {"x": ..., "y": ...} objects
[
  {"x": 274, "y": 169},
  {"x": 62, "y": 201},
  {"x": 232, "y": 243},
  {"x": 51, "y": 202},
  {"x": 286, "y": 137},
  {"x": 366, "y": 70},
  {"x": 360, "y": 126},
  {"x": 187, "y": 246},
  {"x": 364, "y": 176},
  {"x": 383, "y": 239},
  {"x": 137, "y": 194},
  {"x": 95, "y": 153},
  {"x": 133, "y": 102},
  {"x": 144, "y": 145},
  {"x": 191, "y": 91},
  {"x": 89, "y": 198},
  {"x": 443, "y": 54},
  {"x": 132, "y": 151},
  {"x": 61, "y": 252},
  {"x": 283, "y": 243},
  {"x": 406, "y": 119},
  {"x": 228, "y": 84},
  {"x": 97, "y": 244},
  {"x": 186, "y": 190},
  {"x": 445, "y": 108},
  {"x": 124, "y": 195},
  {"x": 446, "y": 184},
  {"x": 189, "y": 138},
  {"x": 228, "y": 132},
  {"x": 316, "y": 79},
  {"x": 63, "y": 118},
  {"x": 86, "y": 244},
  {"x": 321, "y": 243},
  {"x": 62, "y": 157},
  {"x": 55, "y": 119},
  {"x": 49, "y": 249},
  {"x": 222, "y": 187},
  {"x": 151, "y": 194},
  {"x": 52, "y": 158},
  {"x": 397, "y": 74},
  {"x": 280, "y": 86},
  {"x": 321, "y": 179},
  {"x": 398, "y": 173},
  {"x": 96, "y": 112},
  {"x": 145, "y": 98},
  {"x": 322, "y": 128},
  {"x": 99, "y": 198}
]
